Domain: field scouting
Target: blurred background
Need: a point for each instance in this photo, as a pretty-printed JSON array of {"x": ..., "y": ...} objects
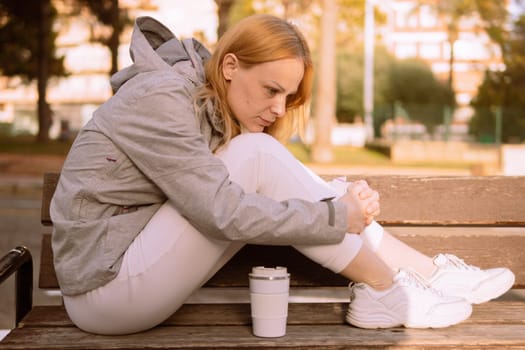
[
  {"x": 415, "y": 80},
  {"x": 402, "y": 87}
]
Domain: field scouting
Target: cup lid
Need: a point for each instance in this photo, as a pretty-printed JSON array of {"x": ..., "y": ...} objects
[{"x": 269, "y": 273}]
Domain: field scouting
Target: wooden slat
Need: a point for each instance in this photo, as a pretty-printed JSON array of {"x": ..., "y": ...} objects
[
  {"x": 206, "y": 315},
  {"x": 47, "y": 276},
  {"x": 303, "y": 337},
  {"x": 484, "y": 251},
  {"x": 455, "y": 200},
  {"x": 48, "y": 189},
  {"x": 422, "y": 200},
  {"x": 494, "y": 312}
]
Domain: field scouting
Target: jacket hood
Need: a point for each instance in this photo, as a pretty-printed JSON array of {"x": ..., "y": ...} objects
[{"x": 154, "y": 47}]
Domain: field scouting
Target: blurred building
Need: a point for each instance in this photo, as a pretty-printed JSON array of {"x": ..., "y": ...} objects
[
  {"x": 414, "y": 30},
  {"x": 410, "y": 31},
  {"x": 74, "y": 98}
]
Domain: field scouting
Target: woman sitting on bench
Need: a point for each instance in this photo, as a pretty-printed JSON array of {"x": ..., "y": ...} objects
[{"x": 182, "y": 167}]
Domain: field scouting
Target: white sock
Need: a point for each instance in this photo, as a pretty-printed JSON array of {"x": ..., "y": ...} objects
[{"x": 372, "y": 235}]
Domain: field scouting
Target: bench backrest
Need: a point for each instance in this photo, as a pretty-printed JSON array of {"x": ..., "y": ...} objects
[{"x": 495, "y": 201}]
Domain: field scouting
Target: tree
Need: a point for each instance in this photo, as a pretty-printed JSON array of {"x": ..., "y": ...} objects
[
  {"x": 223, "y": 14},
  {"x": 291, "y": 8},
  {"x": 492, "y": 16},
  {"x": 44, "y": 112},
  {"x": 413, "y": 85},
  {"x": 500, "y": 101},
  {"x": 114, "y": 19},
  {"x": 350, "y": 62},
  {"x": 324, "y": 113},
  {"x": 231, "y": 11},
  {"x": 28, "y": 50},
  {"x": 349, "y": 101},
  {"x": 409, "y": 84}
]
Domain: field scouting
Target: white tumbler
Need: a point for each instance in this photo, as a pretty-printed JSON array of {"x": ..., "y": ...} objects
[{"x": 269, "y": 290}]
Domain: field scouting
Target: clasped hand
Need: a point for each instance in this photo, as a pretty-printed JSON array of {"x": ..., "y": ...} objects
[{"x": 362, "y": 204}]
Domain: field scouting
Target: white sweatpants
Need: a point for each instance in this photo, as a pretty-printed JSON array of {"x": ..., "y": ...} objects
[{"x": 170, "y": 259}]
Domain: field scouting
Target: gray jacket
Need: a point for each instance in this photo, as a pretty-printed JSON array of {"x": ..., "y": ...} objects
[{"x": 147, "y": 144}]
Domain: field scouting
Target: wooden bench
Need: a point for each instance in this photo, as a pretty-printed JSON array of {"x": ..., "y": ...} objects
[{"x": 413, "y": 205}]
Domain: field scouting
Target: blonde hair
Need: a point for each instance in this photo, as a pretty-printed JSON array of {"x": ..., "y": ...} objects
[{"x": 254, "y": 40}]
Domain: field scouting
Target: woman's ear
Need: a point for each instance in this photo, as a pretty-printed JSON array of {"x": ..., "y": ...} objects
[{"x": 230, "y": 63}]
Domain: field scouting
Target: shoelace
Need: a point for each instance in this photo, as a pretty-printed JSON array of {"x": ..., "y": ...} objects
[
  {"x": 414, "y": 280},
  {"x": 455, "y": 262}
]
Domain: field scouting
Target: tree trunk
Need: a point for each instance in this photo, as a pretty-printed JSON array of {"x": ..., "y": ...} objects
[
  {"x": 43, "y": 110},
  {"x": 223, "y": 13},
  {"x": 368, "y": 83},
  {"x": 451, "y": 66},
  {"x": 326, "y": 87},
  {"x": 114, "y": 40},
  {"x": 452, "y": 38}
]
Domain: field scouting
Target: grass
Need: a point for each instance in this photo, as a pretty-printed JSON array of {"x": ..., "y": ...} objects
[
  {"x": 344, "y": 155},
  {"x": 27, "y": 145},
  {"x": 348, "y": 155}
]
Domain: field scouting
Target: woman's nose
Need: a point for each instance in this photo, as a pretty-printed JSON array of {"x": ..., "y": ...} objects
[{"x": 278, "y": 108}]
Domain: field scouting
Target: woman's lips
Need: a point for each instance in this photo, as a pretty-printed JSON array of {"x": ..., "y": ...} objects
[{"x": 265, "y": 122}]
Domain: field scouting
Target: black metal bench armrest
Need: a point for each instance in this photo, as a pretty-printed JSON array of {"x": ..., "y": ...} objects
[{"x": 19, "y": 260}]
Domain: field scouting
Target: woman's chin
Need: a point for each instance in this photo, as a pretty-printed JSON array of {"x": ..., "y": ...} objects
[{"x": 255, "y": 129}]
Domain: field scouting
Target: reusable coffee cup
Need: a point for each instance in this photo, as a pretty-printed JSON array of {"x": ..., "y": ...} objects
[{"x": 269, "y": 290}]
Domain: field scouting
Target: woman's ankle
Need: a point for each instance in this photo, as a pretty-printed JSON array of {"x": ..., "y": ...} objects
[
  {"x": 368, "y": 268},
  {"x": 380, "y": 285}
]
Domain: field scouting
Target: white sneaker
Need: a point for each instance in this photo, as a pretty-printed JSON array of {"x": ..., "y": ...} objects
[
  {"x": 454, "y": 277},
  {"x": 408, "y": 302}
]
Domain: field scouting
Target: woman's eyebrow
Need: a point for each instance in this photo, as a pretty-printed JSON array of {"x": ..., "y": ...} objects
[{"x": 281, "y": 88}]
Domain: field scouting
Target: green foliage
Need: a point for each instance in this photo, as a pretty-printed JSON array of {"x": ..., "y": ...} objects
[
  {"x": 19, "y": 23},
  {"x": 491, "y": 16},
  {"x": 408, "y": 85},
  {"x": 494, "y": 18},
  {"x": 350, "y": 81},
  {"x": 503, "y": 91},
  {"x": 349, "y": 86},
  {"x": 102, "y": 9},
  {"x": 239, "y": 10},
  {"x": 419, "y": 93},
  {"x": 109, "y": 14},
  {"x": 500, "y": 91}
]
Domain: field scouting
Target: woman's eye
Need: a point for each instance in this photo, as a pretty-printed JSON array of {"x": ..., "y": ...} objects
[{"x": 271, "y": 91}]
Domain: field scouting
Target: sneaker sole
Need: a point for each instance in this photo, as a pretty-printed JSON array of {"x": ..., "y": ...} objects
[
  {"x": 463, "y": 312},
  {"x": 389, "y": 320},
  {"x": 373, "y": 321},
  {"x": 492, "y": 288}
]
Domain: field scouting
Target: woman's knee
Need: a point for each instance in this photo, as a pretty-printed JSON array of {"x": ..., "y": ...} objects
[
  {"x": 245, "y": 152},
  {"x": 255, "y": 143}
]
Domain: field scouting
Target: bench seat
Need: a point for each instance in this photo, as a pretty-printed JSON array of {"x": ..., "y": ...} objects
[
  {"x": 494, "y": 205},
  {"x": 223, "y": 326}
]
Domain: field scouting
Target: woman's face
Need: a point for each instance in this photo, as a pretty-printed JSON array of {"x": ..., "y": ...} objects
[{"x": 257, "y": 95}]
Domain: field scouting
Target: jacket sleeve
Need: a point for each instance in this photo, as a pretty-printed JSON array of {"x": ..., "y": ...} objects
[{"x": 157, "y": 129}]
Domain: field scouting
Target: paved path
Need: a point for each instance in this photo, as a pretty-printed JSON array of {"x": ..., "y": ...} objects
[{"x": 20, "y": 225}]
